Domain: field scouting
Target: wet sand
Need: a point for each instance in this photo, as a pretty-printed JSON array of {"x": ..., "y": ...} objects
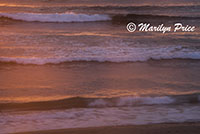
[{"x": 175, "y": 128}]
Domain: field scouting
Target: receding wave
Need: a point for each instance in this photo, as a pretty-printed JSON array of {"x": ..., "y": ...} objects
[
  {"x": 80, "y": 102},
  {"x": 55, "y": 17}
]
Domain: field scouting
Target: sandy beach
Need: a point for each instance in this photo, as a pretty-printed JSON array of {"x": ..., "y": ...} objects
[{"x": 176, "y": 128}]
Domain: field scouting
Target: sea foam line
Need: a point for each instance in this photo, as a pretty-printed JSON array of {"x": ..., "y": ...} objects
[
  {"x": 81, "y": 102},
  {"x": 105, "y": 54}
]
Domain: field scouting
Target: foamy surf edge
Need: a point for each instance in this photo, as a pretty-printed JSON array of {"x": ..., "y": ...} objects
[
  {"x": 104, "y": 54},
  {"x": 82, "y": 102},
  {"x": 56, "y": 17},
  {"x": 44, "y": 61}
]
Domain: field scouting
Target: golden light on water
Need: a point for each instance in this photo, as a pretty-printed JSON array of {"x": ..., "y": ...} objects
[{"x": 17, "y": 5}]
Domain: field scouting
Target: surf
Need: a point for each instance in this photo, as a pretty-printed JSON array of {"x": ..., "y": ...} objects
[
  {"x": 84, "y": 102},
  {"x": 55, "y": 17}
]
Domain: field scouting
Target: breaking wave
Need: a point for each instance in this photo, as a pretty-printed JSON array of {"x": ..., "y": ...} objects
[
  {"x": 55, "y": 17},
  {"x": 80, "y": 102},
  {"x": 73, "y": 17},
  {"x": 106, "y": 54}
]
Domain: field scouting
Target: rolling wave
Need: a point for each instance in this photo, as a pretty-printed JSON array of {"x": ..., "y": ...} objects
[
  {"x": 80, "y": 102},
  {"x": 43, "y": 61},
  {"x": 55, "y": 17},
  {"x": 106, "y": 54},
  {"x": 73, "y": 17}
]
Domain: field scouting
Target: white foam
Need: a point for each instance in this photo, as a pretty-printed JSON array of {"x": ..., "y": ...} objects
[
  {"x": 56, "y": 17},
  {"x": 131, "y": 101},
  {"x": 101, "y": 54},
  {"x": 31, "y": 60},
  {"x": 99, "y": 102},
  {"x": 144, "y": 100}
]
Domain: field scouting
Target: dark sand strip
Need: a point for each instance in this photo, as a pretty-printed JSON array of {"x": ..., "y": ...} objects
[{"x": 182, "y": 128}]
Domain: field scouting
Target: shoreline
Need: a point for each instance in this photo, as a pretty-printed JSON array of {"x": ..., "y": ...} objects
[{"x": 165, "y": 128}]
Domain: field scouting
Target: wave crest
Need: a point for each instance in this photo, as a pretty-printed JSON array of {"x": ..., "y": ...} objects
[
  {"x": 73, "y": 17},
  {"x": 55, "y": 17},
  {"x": 80, "y": 102},
  {"x": 105, "y": 54}
]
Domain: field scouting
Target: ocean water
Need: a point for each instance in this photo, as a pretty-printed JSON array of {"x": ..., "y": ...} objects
[{"x": 74, "y": 63}]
